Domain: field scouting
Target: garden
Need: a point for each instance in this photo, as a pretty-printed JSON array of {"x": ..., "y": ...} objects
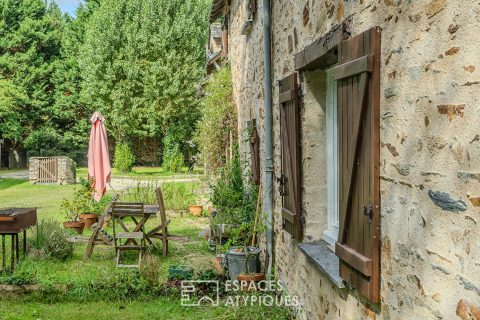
[
  {"x": 55, "y": 275},
  {"x": 125, "y": 181}
]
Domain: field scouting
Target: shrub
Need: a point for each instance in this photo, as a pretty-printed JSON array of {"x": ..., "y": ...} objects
[
  {"x": 172, "y": 156},
  {"x": 218, "y": 120},
  {"x": 124, "y": 157},
  {"x": 49, "y": 240},
  {"x": 235, "y": 201}
]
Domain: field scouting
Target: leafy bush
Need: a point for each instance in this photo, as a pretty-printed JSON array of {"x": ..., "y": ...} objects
[
  {"x": 49, "y": 240},
  {"x": 124, "y": 158},
  {"x": 235, "y": 201},
  {"x": 218, "y": 121},
  {"x": 173, "y": 160}
]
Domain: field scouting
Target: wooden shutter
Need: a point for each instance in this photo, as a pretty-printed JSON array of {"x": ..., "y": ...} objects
[
  {"x": 254, "y": 151},
  {"x": 252, "y": 6},
  {"x": 290, "y": 150},
  {"x": 358, "y": 246}
]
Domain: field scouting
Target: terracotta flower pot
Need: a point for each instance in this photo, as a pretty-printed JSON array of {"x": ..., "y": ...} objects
[
  {"x": 196, "y": 210},
  {"x": 250, "y": 277},
  {"x": 89, "y": 219},
  {"x": 77, "y": 225}
]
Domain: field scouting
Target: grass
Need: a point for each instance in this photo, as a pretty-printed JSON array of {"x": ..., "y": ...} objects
[
  {"x": 130, "y": 294},
  {"x": 160, "y": 308},
  {"x": 47, "y": 198},
  {"x": 145, "y": 172}
]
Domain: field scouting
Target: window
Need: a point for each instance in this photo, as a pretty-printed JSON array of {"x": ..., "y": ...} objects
[{"x": 331, "y": 233}]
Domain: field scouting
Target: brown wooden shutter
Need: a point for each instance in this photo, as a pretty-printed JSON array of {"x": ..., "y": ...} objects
[
  {"x": 358, "y": 246},
  {"x": 290, "y": 150},
  {"x": 252, "y": 6},
  {"x": 254, "y": 151}
]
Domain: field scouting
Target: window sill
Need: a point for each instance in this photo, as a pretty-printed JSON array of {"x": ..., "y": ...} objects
[{"x": 323, "y": 259}]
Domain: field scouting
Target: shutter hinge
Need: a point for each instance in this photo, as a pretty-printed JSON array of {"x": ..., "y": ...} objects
[
  {"x": 281, "y": 187},
  {"x": 368, "y": 211},
  {"x": 302, "y": 220}
]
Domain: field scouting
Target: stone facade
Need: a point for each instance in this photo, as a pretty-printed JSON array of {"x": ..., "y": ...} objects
[
  {"x": 66, "y": 170},
  {"x": 430, "y": 150}
]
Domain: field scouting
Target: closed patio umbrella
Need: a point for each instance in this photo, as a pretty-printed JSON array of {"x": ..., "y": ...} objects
[{"x": 98, "y": 160}]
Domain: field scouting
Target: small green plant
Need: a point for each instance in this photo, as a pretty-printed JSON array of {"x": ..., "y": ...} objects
[
  {"x": 49, "y": 240},
  {"x": 82, "y": 201},
  {"x": 173, "y": 160},
  {"x": 99, "y": 207},
  {"x": 124, "y": 159}
]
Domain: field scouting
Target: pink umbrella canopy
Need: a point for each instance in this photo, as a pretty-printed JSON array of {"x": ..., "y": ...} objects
[{"x": 98, "y": 160}]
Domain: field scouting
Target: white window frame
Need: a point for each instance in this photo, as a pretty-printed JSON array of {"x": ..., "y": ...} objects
[{"x": 330, "y": 235}]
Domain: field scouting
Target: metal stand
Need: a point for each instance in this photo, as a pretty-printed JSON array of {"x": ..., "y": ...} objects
[{"x": 14, "y": 251}]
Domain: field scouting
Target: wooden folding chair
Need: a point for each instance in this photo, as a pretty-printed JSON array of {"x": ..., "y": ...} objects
[{"x": 128, "y": 240}]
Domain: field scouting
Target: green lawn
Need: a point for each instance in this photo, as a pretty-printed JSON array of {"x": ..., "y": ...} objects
[
  {"x": 47, "y": 198},
  {"x": 145, "y": 172},
  {"x": 160, "y": 308},
  {"x": 130, "y": 294}
]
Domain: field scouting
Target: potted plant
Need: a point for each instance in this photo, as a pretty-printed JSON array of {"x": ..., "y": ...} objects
[
  {"x": 88, "y": 211},
  {"x": 71, "y": 208},
  {"x": 78, "y": 211},
  {"x": 195, "y": 210}
]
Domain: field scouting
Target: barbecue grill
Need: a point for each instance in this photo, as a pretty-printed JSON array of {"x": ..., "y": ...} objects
[{"x": 12, "y": 222}]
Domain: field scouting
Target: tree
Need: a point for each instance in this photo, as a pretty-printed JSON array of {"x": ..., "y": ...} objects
[
  {"x": 141, "y": 63},
  {"x": 70, "y": 114}
]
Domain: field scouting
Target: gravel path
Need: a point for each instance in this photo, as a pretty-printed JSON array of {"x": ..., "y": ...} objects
[
  {"x": 23, "y": 174},
  {"x": 116, "y": 183}
]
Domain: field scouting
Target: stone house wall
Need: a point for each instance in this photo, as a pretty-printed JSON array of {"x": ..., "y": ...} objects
[
  {"x": 66, "y": 170},
  {"x": 430, "y": 154}
]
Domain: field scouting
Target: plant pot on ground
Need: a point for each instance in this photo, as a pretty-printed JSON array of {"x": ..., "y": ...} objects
[
  {"x": 88, "y": 219},
  {"x": 78, "y": 226},
  {"x": 195, "y": 210},
  {"x": 249, "y": 277}
]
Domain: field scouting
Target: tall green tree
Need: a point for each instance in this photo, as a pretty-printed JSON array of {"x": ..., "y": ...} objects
[
  {"x": 72, "y": 115},
  {"x": 141, "y": 62},
  {"x": 40, "y": 106}
]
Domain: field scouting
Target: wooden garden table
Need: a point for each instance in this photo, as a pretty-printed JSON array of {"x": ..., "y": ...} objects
[{"x": 149, "y": 211}]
